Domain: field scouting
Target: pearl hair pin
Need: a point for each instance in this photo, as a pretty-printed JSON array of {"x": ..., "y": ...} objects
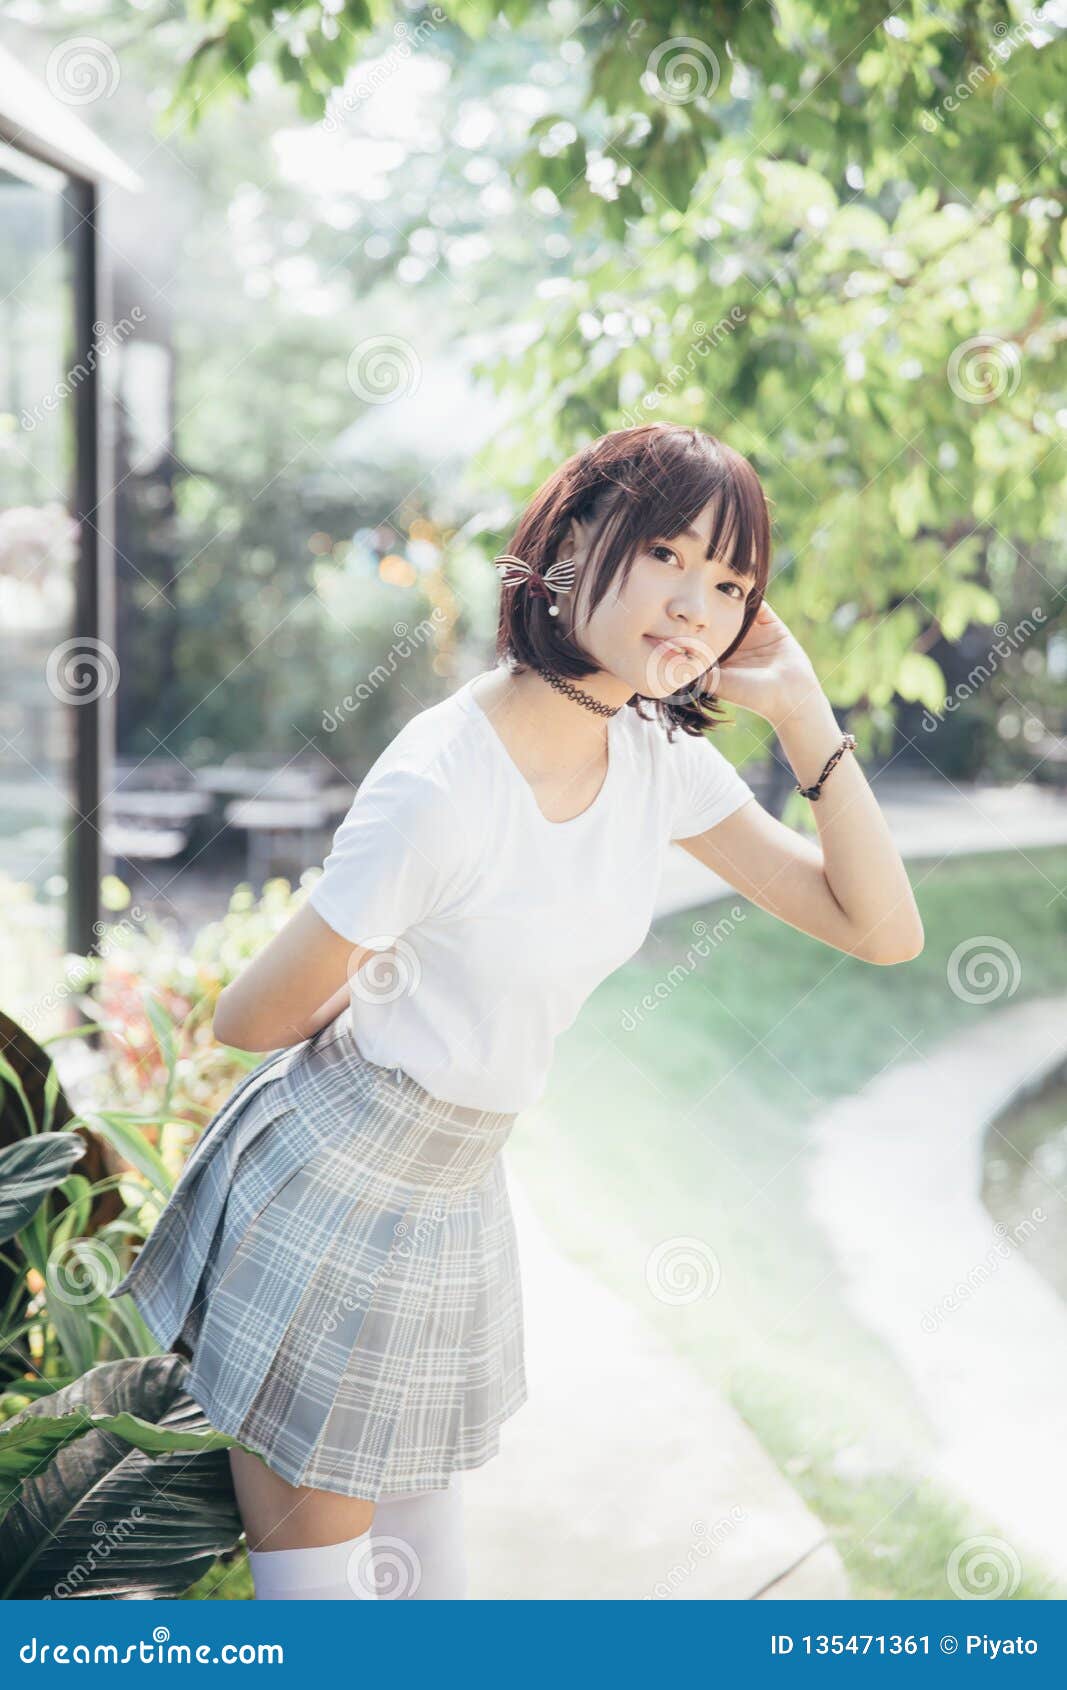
[{"x": 559, "y": 577}]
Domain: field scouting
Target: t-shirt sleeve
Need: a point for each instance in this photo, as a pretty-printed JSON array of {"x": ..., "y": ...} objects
[
  {"x": 391, "y": 864},
  {"x": 706, "y": 786}
]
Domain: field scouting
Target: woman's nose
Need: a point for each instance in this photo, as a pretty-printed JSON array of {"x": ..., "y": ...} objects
[{"x": 694, "y": 606}]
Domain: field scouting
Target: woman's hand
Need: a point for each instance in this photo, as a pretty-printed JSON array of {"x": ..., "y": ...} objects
[{"x": 770, "y": 673}]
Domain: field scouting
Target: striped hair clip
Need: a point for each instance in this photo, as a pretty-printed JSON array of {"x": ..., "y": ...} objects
[{"x": 559, "y": 577}]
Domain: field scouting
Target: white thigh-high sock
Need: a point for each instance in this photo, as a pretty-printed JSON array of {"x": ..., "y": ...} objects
[
  {"x": 332, "y": 1572},
  {"x": 417, "y": 1545}
]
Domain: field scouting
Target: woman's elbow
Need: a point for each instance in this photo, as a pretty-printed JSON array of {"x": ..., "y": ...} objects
[
  {"x": 229, "y": 1027},
  {"x": 225, "y": 1026},
  {"x": 902, "y": 949}
]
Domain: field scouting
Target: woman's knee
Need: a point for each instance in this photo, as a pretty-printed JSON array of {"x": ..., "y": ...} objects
[{"x": 278, "y": 1515}]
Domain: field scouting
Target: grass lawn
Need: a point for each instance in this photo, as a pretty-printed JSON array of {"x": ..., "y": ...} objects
[{"x": 689, "y": 1119}]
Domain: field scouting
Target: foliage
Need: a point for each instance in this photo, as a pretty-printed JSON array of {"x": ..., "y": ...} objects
[
  {"x": 152, "y": 996},
  {"x": 153, "y": 992},
  {"x": 65, "y": 1224},
  {"x": 831, "y": 235},
  {"x": 116, "y": 1486}
]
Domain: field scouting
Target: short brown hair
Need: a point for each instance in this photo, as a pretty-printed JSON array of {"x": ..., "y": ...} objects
[{"x": 635, "y": 484}]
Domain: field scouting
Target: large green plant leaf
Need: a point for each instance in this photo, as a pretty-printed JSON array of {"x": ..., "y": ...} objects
[
  {"x": 115, "y": 1486},
  {"x": 29, "y": 1170}
]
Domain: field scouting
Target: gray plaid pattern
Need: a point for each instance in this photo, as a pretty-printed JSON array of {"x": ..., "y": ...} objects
[{"x": 339, "y": 1258}]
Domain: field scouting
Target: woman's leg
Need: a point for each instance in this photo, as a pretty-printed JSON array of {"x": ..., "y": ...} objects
[
  {"x": 302, "y": 1543},
  {"x": 418, "y": 1546}
]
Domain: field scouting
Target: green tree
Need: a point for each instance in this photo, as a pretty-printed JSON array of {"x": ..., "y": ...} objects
[{"x": 832, "y": 235}]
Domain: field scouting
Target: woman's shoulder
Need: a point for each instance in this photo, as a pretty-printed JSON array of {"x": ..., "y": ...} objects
[{"x": 433, "y": 760}]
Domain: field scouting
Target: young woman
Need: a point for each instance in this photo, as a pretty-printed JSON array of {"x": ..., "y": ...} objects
[{"x": 338, "y": 1259}]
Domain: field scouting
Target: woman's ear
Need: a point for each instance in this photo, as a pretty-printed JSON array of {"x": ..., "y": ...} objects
[{"x": 575, "y": 541}]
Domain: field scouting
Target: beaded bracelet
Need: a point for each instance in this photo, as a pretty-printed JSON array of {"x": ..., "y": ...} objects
[{"x": 848, "y": 743}]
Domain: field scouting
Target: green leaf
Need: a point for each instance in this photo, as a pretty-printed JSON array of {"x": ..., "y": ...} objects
[
  {"x": 118, "y": 1130},
  {"x": 921, "y": 679},
  {"x": 29, "y": 1169},
  {"x": 9, "y": 1076},
  {"x": 114, "y": 1486}
]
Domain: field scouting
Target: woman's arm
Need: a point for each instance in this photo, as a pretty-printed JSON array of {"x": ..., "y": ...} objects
[
  {"x": 854, "y": 892},
  {"x": 297, "y": 984}
]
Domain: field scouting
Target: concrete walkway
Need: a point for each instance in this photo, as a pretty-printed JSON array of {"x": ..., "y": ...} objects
[
  {"x": 895, "y": 1177},
  {"x": 928, "y": 817},
  {"x": 624, "y": 1476}
]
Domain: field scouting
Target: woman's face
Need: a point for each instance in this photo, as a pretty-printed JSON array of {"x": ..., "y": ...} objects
[{"x": 673, "y": 593}]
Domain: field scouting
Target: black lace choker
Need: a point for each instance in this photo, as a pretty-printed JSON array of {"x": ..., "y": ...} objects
[{"x": 576, "y": 693}]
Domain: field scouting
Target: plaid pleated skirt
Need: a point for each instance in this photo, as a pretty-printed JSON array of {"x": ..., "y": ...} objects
[{"x": 338, "y": 1260}]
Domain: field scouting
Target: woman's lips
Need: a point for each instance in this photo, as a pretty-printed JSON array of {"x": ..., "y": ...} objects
[{"x": 669, "y": 646}]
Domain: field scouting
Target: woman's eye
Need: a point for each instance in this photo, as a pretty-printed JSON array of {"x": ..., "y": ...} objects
[
  {"x": 740, "y": 591},
  {"x": 669, "y": 556}
]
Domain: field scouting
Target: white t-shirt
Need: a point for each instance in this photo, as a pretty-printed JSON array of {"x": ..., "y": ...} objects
[{"x": 502, "y": 922}]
